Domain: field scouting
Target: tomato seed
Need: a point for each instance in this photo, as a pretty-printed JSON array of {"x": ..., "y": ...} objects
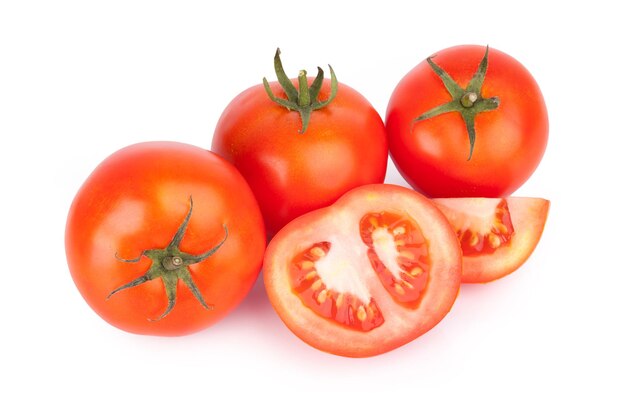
[
  {"x": 316, "y": 285},
  {"x": 339, "y": 300},
  {"x": 307, "y": 264},
  {"x": 317, "y": 252},
  {"x": 494, "y": 241},
  {"x": 416, "y": 271},
  {"x": 361, "y": 314},
  {"x": 374, "y": 222},
  {"x": 399, "y": 289}
]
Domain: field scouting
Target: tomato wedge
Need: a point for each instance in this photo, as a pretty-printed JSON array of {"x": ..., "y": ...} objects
[
  {"x": 370, "y": 273},
  {"x": 497, "y": 235}
]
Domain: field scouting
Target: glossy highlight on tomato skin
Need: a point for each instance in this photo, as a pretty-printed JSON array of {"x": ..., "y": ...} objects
[
  {"x": 292, "y": 173},
  {"x": 432, "y": 154},
  {"x": 135, "y": 200}
]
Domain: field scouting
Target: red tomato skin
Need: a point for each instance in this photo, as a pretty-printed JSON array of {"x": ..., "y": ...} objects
[
  {"x": 432, "y": 154},
  {"x": 135, "y": 200},
  {"x": 290, "y": 173}
]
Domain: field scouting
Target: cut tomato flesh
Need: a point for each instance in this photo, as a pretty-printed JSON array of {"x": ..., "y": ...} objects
[
  {"x": 483, "y": 228},
  {"x": 367, "y": 274},
  {"x": 497, "y": 235},
  {"x": 398, "y": 253},
  {"x": 343, "y": 307}
]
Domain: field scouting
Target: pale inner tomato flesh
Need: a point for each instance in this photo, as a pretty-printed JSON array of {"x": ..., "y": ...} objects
[
  {"x": 357, "y": 311},
  {"x": 327, "y": 282}
]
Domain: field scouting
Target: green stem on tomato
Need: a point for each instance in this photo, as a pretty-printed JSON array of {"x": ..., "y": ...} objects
[
  {"x": 171, "y": 265},
  {"x": 304, "y": 98},
  {"x": 468, "y": 101}
]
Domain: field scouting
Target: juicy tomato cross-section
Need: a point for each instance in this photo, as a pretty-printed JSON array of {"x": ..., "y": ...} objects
[
  {"x": 370, "y": 273},
  {"x": 398, "y": 253},
  {"x": 497, "y": 235},
  {"x": 343, "y": 308}
]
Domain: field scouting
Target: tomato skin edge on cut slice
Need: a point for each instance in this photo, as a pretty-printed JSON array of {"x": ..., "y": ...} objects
[
  {"x": 528, "y": 217},
  {"x": 338, "y": 226}
]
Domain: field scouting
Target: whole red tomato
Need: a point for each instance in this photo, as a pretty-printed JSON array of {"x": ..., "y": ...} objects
[
  {"x": 164, "y": 238},
  {"x": 301, "y": 148},
  {"x": 468, "y": 121}
]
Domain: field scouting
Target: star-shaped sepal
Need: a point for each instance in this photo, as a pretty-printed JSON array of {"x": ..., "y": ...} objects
[
  {"x": 171, "y": 265},
  {"x": 468, "y": 101},
  {"x": 303, "y": 99}
]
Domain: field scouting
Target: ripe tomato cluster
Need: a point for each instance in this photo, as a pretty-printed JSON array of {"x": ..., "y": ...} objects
[{"x": 166, "y": 238}]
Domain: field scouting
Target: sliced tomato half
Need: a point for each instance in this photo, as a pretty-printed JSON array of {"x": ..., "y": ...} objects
[
  {"x": 372, "y": 272},
  {"x": 497, "y": 235}
]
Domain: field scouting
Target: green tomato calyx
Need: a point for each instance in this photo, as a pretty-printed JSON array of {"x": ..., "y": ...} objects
[
  {"x": 171, "y": 265},
  {"x": 304, "y": 98},
  {"x": 468, "y": 101}
]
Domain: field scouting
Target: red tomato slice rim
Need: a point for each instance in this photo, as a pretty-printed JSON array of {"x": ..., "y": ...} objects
[{"x": 338, "y": 224}]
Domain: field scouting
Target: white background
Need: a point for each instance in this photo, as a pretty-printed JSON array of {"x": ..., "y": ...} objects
[{"x": 78, "y": 80}]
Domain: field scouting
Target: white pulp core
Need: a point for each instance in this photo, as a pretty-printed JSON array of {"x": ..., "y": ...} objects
[
  {"x": 339, "y": 275},
  {"x": 470, "y": 214},
  {"x": 385, "y": 248}
]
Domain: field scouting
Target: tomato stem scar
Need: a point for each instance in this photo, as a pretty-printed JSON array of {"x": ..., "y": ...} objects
[
  {"x": 469, "y": 99},
  {"x": 172, "y": 262}
]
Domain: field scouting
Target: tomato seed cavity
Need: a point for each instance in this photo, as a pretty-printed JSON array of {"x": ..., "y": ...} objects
[
  {"x": 475, "y": 243},
  {"x": 398, "y": 254},
  {"x": 343, "y": 307}
]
